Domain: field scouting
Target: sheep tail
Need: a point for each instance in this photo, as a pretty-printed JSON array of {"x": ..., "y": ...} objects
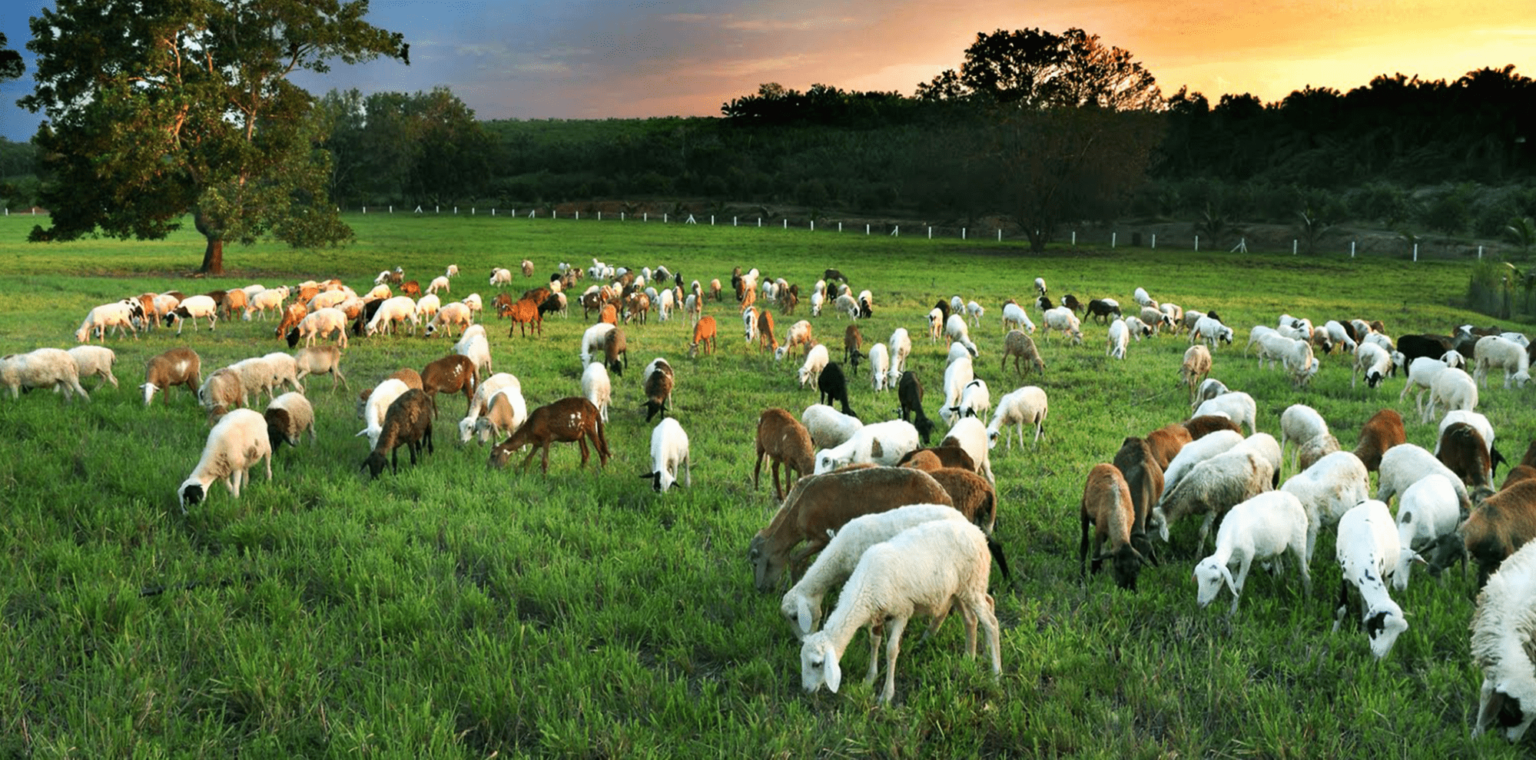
[{"x": 1002, "y": 562}]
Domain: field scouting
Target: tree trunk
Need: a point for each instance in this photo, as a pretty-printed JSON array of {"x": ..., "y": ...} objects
[{"x": 213, "y": 257}]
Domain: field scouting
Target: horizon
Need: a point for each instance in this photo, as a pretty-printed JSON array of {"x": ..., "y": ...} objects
[{"x": 532, "y": 60}]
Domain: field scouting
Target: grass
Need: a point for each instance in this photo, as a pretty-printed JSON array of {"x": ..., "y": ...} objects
[{"x": 454, "y": 610}]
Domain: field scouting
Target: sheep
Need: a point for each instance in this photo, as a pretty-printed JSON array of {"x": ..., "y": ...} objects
[
  {"x": 1368, "y": 552},
  {"x": 92, "y": 361},
  {"x": 1501, "y": 524},
  {"x": 1208, "y": 389},
  {"x": 1155, "y": 319},
  {"x": 971, "y": 436},
  {"x": 1374, "y": 361},
  {"x": 853, "y": 343},
  {"x": 956, "y": 376},
  {"x": 288, "y": 416},
  {"x": 319, "y": 324},
  {"x": 505, "y": 411},
  {"x": 909, "y": 393},
  {"x": 481, "y": 404},
  {"x": 1501, "y": 647},
  {"x": 831, "y": 386},
  {"x": 500, "y": 276},
  {"x": 257, "y": 376},
  {"x": 1138, "y": 465},
  {"x": 1300, "y": 423},
  {"x": 1211, "y": 331},
  {"x": 827, "y": 427},
  {"x": 783, "y": 440},
  {"x": 178, "y": 366},
  {"x": 1026, "y": 405},
  {"x": 1119, "y": 336},
  {"x": 799, "y": 334},
  {"x": 1196, "y": 367},
  {"x": 1261, "y": 528},
  {"x": 1316, "y": 448},
  {"x": 1195, "y": 452},
  {"x": 101, "y": 319},
  {"x": 375, "y": 404},
  {"x": 866, "y": 301},
  {"x": 1204, "y": 425},
  {"x": 285, "y": 371},
  {"x": 235, "y": 444},
  {"x": 593, "y": 341},
  {"x": 451, "y": 374},
  {"x": 1427, "y": 510},
  {"x": 669, "y": 450},
  {"x": 879, "y": 364},
  {"x": 569, "y": 420},
  {"x": 1422, "y": 372},
  {"x": 42, "y": 368},
  {"x": 1015, "y": 318},
  {"x": 1212, "y": 487},
  {"x": 1237, "y": 405},
  {"x": 1338, "y": 334},
  {"x": 900, "y": 345},
  {"x": 319, "y": 360},
  {"x": 1379, "y": 434},
  {"x": 1463, "y": 450},
  {"x": 596, "y": 388},
  {"x": 1328, "y": 489},
  {"x": 1064, "y": 320},
  {"x": 882, "y": 443},
  {"x": 941, "y": 457},
  {"x": 221, "y": 391},
  {"x": 820, "y": 504},
  {"x": 957, "y": 331},
  {"x": 1483, "y": 427},
  {"x": 924, "y": 570},
  {"x": 1167, "y": 441},
  {"x": 657, "y": 382},
  {"x": 407, "y": 422},
  {"x": 1495, "y": 351},
  {"x": 267, "y": 300},
  {"x": 975, "y": 400},
  {"x": 1404, "y": 464},
  {"x": 1455, "y": 388},
  {"x": 1138, "y": 328},
  {"x": 1107, "y": 505},
  {"x": 1101, "y": 309}
]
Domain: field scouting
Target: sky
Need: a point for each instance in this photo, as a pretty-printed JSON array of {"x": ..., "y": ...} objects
[{"x": 583, "y": 59}]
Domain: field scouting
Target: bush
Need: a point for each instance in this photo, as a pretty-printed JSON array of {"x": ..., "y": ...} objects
[
  {"x": 1449, "y": 211},
  {"x": 1380, "y": 202}
]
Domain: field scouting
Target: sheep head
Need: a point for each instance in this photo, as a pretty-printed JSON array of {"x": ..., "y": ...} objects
[
  {"x": 818, "y": 664},
  {"x": 1209, "y": 576},
  {"x": 1383, "y": 626},
  {"x": 1499, "y": 703}
]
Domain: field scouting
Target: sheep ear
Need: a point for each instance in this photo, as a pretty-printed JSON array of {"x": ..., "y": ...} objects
[
  {"x": 805, "y": 617},
  {"x": 648, "y": 476},
  {"x": 1226, "y": 575},
  {"x": 832, "y": 673},
  {"x": 1414, "y": 556}
]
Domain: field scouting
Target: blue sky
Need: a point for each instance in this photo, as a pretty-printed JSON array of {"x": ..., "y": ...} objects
[{"x": 585, "y": 59}]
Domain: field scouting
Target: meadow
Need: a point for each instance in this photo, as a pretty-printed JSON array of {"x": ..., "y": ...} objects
[{"x": 456, "y": 610}]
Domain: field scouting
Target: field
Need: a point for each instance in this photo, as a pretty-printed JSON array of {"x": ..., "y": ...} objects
[{"x": 456, "y": 610}]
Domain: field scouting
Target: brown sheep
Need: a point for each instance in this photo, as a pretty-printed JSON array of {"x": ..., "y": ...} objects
[
  {"x": 1022, "y": 348},
  {"x": 1205, "y": 424},
  {"x": 765, "y": 337},
  {"x": 1518, "y": 473},
  {"x": 616, "y": 348},
  {"x": 782, "y": 439},
  {"x": 609, "y": 315},
  {"x": 1197, "y": 366},
  {"x": 703, "y": 334},
  {"x": 1381, "y": 432},
  {"x": 930, "y": 459},
  {"x": 1501, "y": 524},
  {"x": 527, "y": 268},
  {"x": 1463, "y": 450},
  {"x": 1166, "y": 442},
  {"x": 569, "y": 420},
  {"x": 657, "y": 383},
  {"x": 591, "y": 302},
  {"x": 853, "y": 345},
  {"x": 502, "y": 305},
  {"x": 971, "y": 494},
  {"x": 451, "y": 374},
  {"x": 523, "y": 313},
  {"x": 1108, "y": 507},
  {"x": 821, "y": 503},
  {"x": 637, "y": 305},
  {"x": 715, "y": 290},
  {"x": 178, "y": 366},
  {"x": 1144, "y": 476},
  {"x": 292, "y": 316},
  {"x": 408, "y": 422},
  {"x": 411, "y": 288}
]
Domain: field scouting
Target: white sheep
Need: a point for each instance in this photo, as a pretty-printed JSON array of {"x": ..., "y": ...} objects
[
  {"x": 957, "y": 375},
  {"x": 882, "y": 443},
  {"x": 1367, "y": 553},
  {"x": 1262, "y": 528},
  {"x": 378, "y": 403},
  {"x": 1502, "y": 631},
  {"x": 1211, "y": 331},
  {"x": 1374, "y": 361},
  {"x": 267, "y": 300},
  {"x": 957, "y": 331},
  {"x": 845, "y": 304},
  {"x": 103, "y": 318},
  {"x": 1422, "y": 372},
  {"x": 971, "y": 437},
  {"x": 1209, "y": 446},
  {"x": 505, "y": 412},
  {"x": 194, "y": 307},
  {"x": 956, "y": 304},
  {"x": 285, "y": 370},
  {"x": 473, "y": 302},
  {"x": 475, "y": 346},
  {"x": 815, "y": 361},
  {"x": 597, "y": 388},
  {"x": 1328, "y": 489},
  {"x": 956, "y": 352},
  {"x": 439, "y": 283},
  {"x": 1339, "y": 336},
  {"x": 1209, "y": 388},
  {"x": 817, "y": 300},
  {"x": 317, "y": 324},
  {"x": 975, "y": 311},
  {"x": 94, "y": 361},
  {"x": 880, "y": 366},
  {"x": 1495, "y": 351},
  {"x": 901, "y": 346},
  {"x": 1264, "y": 445},
  {"x": 319, "y": 360},
  {"x": 1212, "y": 487},
  {"x": 397, "y": 309},
  {"x": 428, "y": 306},
  {"x": 42, "y": 368},
  {"x": 1300, "y": 423},
  {"x": 237, "y": 442},
  {"x": 480, "y": 404},
  {"x": 1379, "y": 339},
  {"x": 1061, "y": 318},
  {"x": 828, "y": 427},
  {"x": 500, "y": 276},
  {"x": 924, "y": 570},
  {"x": 1024, "y": 405},
  {"x": 669, "y": 450},
  {"x": 1040, "y": 285},
  {"x": 1404, "y": 464},
  {"x": 593, "y": 341},
  {"x": 801, "y": 605},
  {"x": 1426, "y": 511},
  {"x": 1119, "y": 338},
  {"x": 1138, "y": 328},
  {"x": 1454, "y": 388},
  {"x": 1237, "y": 405},
  {"x": 1014, "y": 318}
]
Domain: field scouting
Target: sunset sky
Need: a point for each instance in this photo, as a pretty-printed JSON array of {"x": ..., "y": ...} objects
[{"x": 586, "y": 59}]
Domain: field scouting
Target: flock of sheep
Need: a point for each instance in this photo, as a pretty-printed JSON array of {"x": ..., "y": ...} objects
[{"x": 905, "y": 528}]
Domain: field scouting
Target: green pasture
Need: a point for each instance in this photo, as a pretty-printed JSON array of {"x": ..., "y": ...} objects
[{"x": 455, "y": 610}]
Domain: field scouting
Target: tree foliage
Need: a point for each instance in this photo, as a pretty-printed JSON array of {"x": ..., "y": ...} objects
[
  {"x": 424, "y": 148},
  {"x": 11, "y": 65},
  {"x": 160, "y": 109},
  {"x": 1034, "y": 68}
]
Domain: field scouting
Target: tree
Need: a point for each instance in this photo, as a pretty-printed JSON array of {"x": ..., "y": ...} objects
[
  {"x": 160, "y": 109},
  {"x": 1033, "y": 68},
  {"x": 11, "y": 65}
]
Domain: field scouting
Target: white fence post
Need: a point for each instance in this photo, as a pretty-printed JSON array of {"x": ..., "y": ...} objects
[
  {"x": 896, "y": 231},
  {"x": 1113, "y": 237},
  {"x": 866, "y": 232},
  {"x": 553, "y": 213},
  {"x": 645, "y": 216},
  {"x": 999, "y": 234},
  {"x": 1154, "y": 241},
  {"x": 1074, "y": 238},
  {"x": 962, "y": 233},
  {"x": 1351, "y": 249},
  {"x": 813, "y": 225},
  {"x": 493, "y": 211},
  {"x": 437, "y": 209},
  {"x": 1479, "y": 253},
  {"x": 839, "y": 226},
  {"x": 663, "y": 217},
  {"x": 391, "y": 208},
  {"x": 711, "y": 220},
  {"x": 599, "y": 216},
  {"x": 621, "y": 216},
  {"x": 930, "y": 233},
  {"x": 759, "y": 221},
  {"x": 1197, "y": 244},
  {"x": 1415, "y": 251},
  {"x": 365, "y": 211},
  {"x": 733, "y": 222},
  {"x": 786, "y": 222},
  {"x": 1294, "y": 243}
]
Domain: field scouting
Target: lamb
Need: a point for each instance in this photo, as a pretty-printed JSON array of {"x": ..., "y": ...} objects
[
  {"x": 1237, "y": 405},
  {"x": 1024, "y": 405},
  {"x": 178, "y": 366},
  {"x": 1119, "y": 336},
  {"x": 1022, "y": 348},
  {"x": 1455, "y": 388},
  {"x": 1213, "y": 487},
  {"x": 815, "y": 363},
  {"x": 597, "y": 388},
  {"x": 1155, "y": 319},
  {"x": 924, "y": 570},
  {"x": 1374, "y": 361},
  {"x": 288, "y": 416},
  {"x": 1064, "y": 320},
  {"x": 1261, "y": 528},
  {"x": 1014, "y": 318},
  {"x": 1138, "y": 328},
  {"x": 1496, "y": 351},
  {"x": 1427, "y": 510},
  {"x": 845, "y": 304},
  {"x": 569, "y": 420},
  {"x": 1328, "y": 489},
  {"x": 1142, "y": 299},
  {"x": 1483, "y": 427},
  {"x": 975, "y": 311},
  {"x": 879, "y": 366},
  {"x": 235, "y": 444},
  {"x": 439, "y": 283},
  {"x": 820, "y": 504},
  {"x": 1422, "y": 372},
  {"x": 505, "y": 412},
  {"x": 285, "y": 370},
  {"x": 1405, "y": 464},
  {"x": 827, "y": 427},
  {"x": 91, "y": 361},
  {"x": 1107, "y": 505},
  {"x": 408, "y": 422},
  {"x": 832, "y": 386},
  {"x": 320, "y": 323},
  {"x": 765, "y": 336},
  {"x": 1195, "y": 452},
  {"x": 1501, "y": 647},
  {"x": 1367, "y": 552},
  {"x": 1379, "y": 434},
  {"x": 42, "y": 368},
  {"x": 1300, "y": 423},
  {"x": 1197, "y": 366},
  {"x": 969, "y": 435},
  {"x": 376, "y": 406},
  {"x": 1210, "y": 330},
  {"x": 458, "y": 313},
  {"x": 481, "y": 404},
  {"x": 657, "y": 382},
  {"x": 669, "y": 450},
  {"x": 104, "y": 317},
  {"x": 1138, "y": 465},
  {"x": 784, "y": 441},
  {"x": 319, "y": 360},
  {"x": 882, "y": 443},
  {"x": 267, "y": 300}
]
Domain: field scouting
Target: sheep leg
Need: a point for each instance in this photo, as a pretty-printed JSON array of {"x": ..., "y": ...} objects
[
  {"x": 757, "y": 472},
  {"x": 1338, "y": 615},
  {"x": 1237, "y": 584},
  {"x": 532, "y": 452},
  {"x": 875, "y": 629},
  {"x": 1306, "y": 573},
  {"x": 892, "y": 650},
  {"x": 1205, "y": 530},
  {"x": 546, "y": 455},
  {"x": 581, "y": 440}
]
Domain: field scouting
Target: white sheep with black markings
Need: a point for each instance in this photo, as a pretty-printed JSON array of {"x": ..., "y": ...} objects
[
  {"x": 1237, "y": 405},
  {"x": 1026, "y": 405},
  {"x": 1328, "y": 489},
  {"x": 235, "y": 444},
  {"x": 1495, "y": 351},
  {"x": 1368, "y": 552},
  {"x": 1374, "y": 361},
  {"x": 1265, "y": 527},
  {"x": 1426, "y": 511},
  {"x": 669, "y": 451},
  {"x": 1503, "y": 630},
  {"x": 924, "y": 570},
  {"x": 1211, "y": 331},
  {"x": 883, "y": 443}
]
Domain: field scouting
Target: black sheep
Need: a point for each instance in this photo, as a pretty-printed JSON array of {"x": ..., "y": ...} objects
[
  {"x": 909, "y": 391},
  {"x": 834, "y": 387}
]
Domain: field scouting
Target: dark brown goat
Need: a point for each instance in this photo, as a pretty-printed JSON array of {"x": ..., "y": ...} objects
[
  {"x": 658, "y": 382},
  {"x": 408, "y": 422},
  {"x": 1205, "y": 424},
  {"x": 1145, "y": 477},
  {"x": 1381, "y": 432},
  {"x": 1500, "y": 525},
  {"x": 931, "y": 459},
  {"x": 1463, "y": 450},
  {"x": 569, "y": 420},
  {"x": 451, "y": 374}
]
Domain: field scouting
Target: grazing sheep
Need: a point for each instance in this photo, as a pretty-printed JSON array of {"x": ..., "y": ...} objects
[
  {"x": 569, "y": 420},
  {"x": 1208, "y": 389},
  {"x": 900, "y": 346},
  {"x": 320, "y": 323},
  {"x": 1379, "y": 434},
  {"x": 1212, "y": 487},
  {"x": 505, "y": 411},
  {"x": 1427, "y": 510},
  {"x": 236, "y": 443},
  {"x": 957, "y": 331},
  {"x": 827, "y": 427},
  {"x": 1502, "y": 646},
  {"x": 1238, "y": 406},
  {"x": 883, "y": 443},
  {"x": 1015, "y": 318},
  {"x": 480, "y": 405},
  {"x": 924, "y": 570},
  {"x": 669, "y": 450},
  {"x": 1066, "y": 322},
  {"x": 1374, "y": 361},
  {"x": 1210, "y": 330},
  {"x": 938, "y": 458},
  {"x": 1101, "y": 309},
  {"x": 1167, "y": 441},
  {"x": 909, "y": 392},
  {"x": 1139, "y": 467},
  {"x": 975, "y": 401},
  {"x": 407, "y": 422},
  {"x": 319, "y": 360},
  {"x": 969, "y": 435},
  {"x": 220, "y": 392},
  {"x": 657, "y": 382},
  {"x": 815, "y": 363},
  {"x": 1368, "y": 552},
  {"x": 42, "y": 368},
  {"x": 1503, "y": 522},
  {"x": 1314, "y": 449},
  {"x": 193, "y": 307},
  {"x": 596, "y": 387},
  {"x": 1107, "y": 506},
  {"x": 1119, "y": 337},
  {"x": 1453, "y": 387},
  {"x": 1462, "y": 449},
  {"x": 101, "y": 319},
  {"x": 1026, "y": 405},
  {"x": 288, "y": 416},
  {"x": 799, "y": 334},
  {"x": 783, "y": 440},
  {"x": 704, "y": 332},
  {"x": 1404, "y": 464},
  {"x": 1262, "y": 528},
  {"x": 178, "y": 366},
  {"x": 832, "y": 386},
  {"x": 1196, "y": 367},
  {"x": 450, "y": 374},
  {"x": 92, "y": 361},
  {"x": 1328, "y": 489},
  {"x": 879, "y": 366},
  {"x": 1495, "y": 351},
  {"x": 1197, "y": 451},
  {"x": 1300, "y": 423}
]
